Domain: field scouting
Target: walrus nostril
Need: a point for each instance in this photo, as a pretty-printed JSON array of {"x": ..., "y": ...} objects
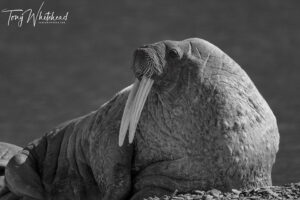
[
  {"x": 142, "y": 53},
  {"x": 144, "y": 62}
]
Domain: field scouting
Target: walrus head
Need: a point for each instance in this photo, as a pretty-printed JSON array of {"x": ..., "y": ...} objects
[{"x": 164, "y": 66}]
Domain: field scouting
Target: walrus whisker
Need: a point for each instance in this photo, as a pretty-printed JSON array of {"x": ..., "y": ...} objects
[
  {"x": 127, "y": 112},
  {"x": 138, "y": 105},
  {"x": 203, "y": 67},
  {"x": 190, "y": 48},
  {"x": 148, "y": 72},
  {"x": 198, "y": 52}
]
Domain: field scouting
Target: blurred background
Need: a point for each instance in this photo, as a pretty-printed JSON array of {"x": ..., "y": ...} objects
[{"x": 54, "y": 72}]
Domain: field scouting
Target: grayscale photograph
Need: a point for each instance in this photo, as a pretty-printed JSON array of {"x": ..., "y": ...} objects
[{"x": 149, "y": 100}]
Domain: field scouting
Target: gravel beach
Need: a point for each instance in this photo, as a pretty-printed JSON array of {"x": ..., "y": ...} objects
[{"x": 289, "y": 191}]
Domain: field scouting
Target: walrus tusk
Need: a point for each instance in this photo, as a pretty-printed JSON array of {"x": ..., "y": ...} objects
[
  {"x": 127, "y": 112},
  {"x": 133, "y": 108},
  {"x": 137, "y": 107}
]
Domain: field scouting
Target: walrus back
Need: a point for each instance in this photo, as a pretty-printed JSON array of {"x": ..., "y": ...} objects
[{"x": 58, "y": 165}]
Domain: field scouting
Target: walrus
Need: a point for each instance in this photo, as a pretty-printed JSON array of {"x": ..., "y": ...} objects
[{"x": 191, "y": 120}]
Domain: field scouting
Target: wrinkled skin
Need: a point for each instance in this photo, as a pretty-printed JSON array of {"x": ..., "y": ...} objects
[{"x": 204, "y": 125}]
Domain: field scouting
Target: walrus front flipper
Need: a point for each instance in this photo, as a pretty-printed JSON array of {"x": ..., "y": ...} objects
[
  {"x": 21, "y": 173},
  {"x": 22, "y": 178},
  {"x": 7, "y": 151}
]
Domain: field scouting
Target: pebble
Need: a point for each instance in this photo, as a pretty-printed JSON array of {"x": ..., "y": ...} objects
[
  {"x": 199, "y": 192},
  {"x": 215, "y": 192},
  {"x": 236, "y": 191},
  {"x": 209, "y": 197}
]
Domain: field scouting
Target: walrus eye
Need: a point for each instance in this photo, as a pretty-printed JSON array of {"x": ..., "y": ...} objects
[{"x": 173, "y": 53}]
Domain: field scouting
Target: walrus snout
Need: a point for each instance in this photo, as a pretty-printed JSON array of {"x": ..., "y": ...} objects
[{"x": 146, "y": 62}]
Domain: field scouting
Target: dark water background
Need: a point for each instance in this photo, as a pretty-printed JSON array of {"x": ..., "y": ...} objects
[{"x": 52, "y": 73}]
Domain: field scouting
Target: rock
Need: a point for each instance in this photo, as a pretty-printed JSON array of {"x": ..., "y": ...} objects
[
  {"x": 236, "y": 191},
  {"x": 209, "y": 197},
  {"x": 215, "y": 192}
]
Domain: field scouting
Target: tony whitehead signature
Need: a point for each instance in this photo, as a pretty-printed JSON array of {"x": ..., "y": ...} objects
[{"x": 20, "y": 16}]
